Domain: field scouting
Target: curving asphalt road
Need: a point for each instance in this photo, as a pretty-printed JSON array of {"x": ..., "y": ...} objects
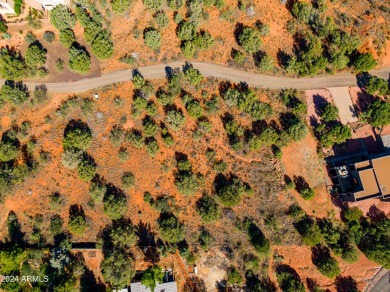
[{"x": 211, "y": 70}]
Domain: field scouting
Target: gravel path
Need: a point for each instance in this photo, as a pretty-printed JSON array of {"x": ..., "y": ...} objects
[{"x": 211, "y": 70}]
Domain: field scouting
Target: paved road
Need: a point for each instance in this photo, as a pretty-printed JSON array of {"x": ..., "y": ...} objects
[
  {"x": 211, "y": 70},
  {"x": 383, "y": 285}
]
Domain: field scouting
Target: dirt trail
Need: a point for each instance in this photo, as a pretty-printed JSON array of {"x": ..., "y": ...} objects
[{"x": 211, "y": 70}]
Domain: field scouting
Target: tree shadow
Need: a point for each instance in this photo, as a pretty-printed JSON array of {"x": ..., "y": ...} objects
[
  {"x": 283, "y": 58},
  {"x": 14, "y": 229},
  {"x": 300, "y": 183},
  {"x": 375, "y": 213},
  {"x": 346, "y": 284},
  {"x": 88, "y": 282},
  {"x": 147, "y": 242},
  {"x": 76, "y": 124}
]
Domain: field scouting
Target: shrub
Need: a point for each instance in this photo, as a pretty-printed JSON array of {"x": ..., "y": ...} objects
[
  {"x": 128, "y": 179},
  {"x": 30, "y": 38},
  {"x": 188, "y": 48},
  {"x": 40, "y": 94},
  {"x": 115, "y": 204},
  {"x": 62, "y": 18},
  {"x": 150, "y": 127},
  {"x": 138, "y": 81},
  {"x": 120, "y": 6},
  {"x": 67, "y": 37},
  {"x": 35, "y": 55},
  {"x": 9, "y": 150},
  {"x": 289, "y": 282},
  {"x": 153, "y": 4},
  {"x": 335, "y": 134},
  {"x": 352, "y": 214},
  {"x": 161, "y": 19},
  {"x": 207, "y": 209},
  {"x": 266, "y": 63},
  {"x": 233, "y": 276},
  {"x": 117, "y": 268},
  {"x": 135, "y": 138},
  {"x": 187, "y": 183},
  {"x": 14, "y": 94},
  {"x": 49, "y": 36},
  {"x": 250, "y": 40},
  {"x": 258, "y": 240},
  {"x": 205, "y": 239},
  {"x": 377, "y": 85},
  {"x": 122, "y": 234},
  {"x": 78, "y": 138},
  {"x": 186, "y": 31},
  {"x": 152, "y": 39},
  {"x": 302, "y": 11},
  {"x": 91, "y": 30},
  {"x": 194, "y": 109},
  {"x": 116, "y": 135},
  {"x": 175, "y": 120},
  {"x": 307, "y": 193},
  {"x": 97, "y": 190},
  {"x": 268, "y": 137},
  {"x": 71, "y": 158},
  {"x": 193, "y": 76},
  {"x": 123, "y": 154},
  {"x": 170, "y": 228},
  {"x": 310, "y": 232},
  {"x": 55, "y": 225},
  {"x": 327, "y": 265},
  {"x": 262, "y": 28},
  {"x": 204, "y": 40},
  {"x": 374, "y": 241},
  {"x": 11, "y": 65},
  {"x": 153, "y": 148},
  {"x": 350, "y": 254},
  {"x": 87, "y": 169},
  {"x": 329, "y": 112},
  {"x": 378, "y": 113},
  {"x": 102, "y": 45},
  {"x": 364, "y": 62},
  {"x": 152, "y": 276},
  {"x": 231, "y": 192},
  {"x": 164, "y": 98},
  {"x": 79, "y": 59},
  {"x": 60, "y": 65},
  {"x": 238, "y": 57},
  {"x": 77, "y": 223}
]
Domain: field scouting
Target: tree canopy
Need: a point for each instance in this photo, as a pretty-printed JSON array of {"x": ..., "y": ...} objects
[
  {"x": 62, "y": 18},
  {"x": 152, "y": 276}
]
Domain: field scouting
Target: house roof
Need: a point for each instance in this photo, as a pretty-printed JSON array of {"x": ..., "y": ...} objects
[
  {"x": 369, "y": 183},
  {"x": 382, "y": 172},
  {"x": 164, "y": 287}
]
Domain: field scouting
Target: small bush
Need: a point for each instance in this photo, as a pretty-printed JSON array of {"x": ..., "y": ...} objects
[
  {"x": 233, "y": 276},
  {"x": 161, "y": 19},
  {"x": 128, "y": 179},
  {"x": 364, "y": 62},
  {"x": 152, "y": 39},
  {"x": 175, "y": 120},
  {"x": 62, "y": 18},
  {"x": 79, "y": 59},
  {"x": 71, "y": 158},
  {"x": 353, "y": 214},
  {"x": 207, "y": 209},
  {"x": 49, "y": 36},
  {"x": 250, "y": 40},
  {"x": 307, "y": 193},
  {"x": 193, "y": 76},
  {"x": 67, "y": 37}
]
